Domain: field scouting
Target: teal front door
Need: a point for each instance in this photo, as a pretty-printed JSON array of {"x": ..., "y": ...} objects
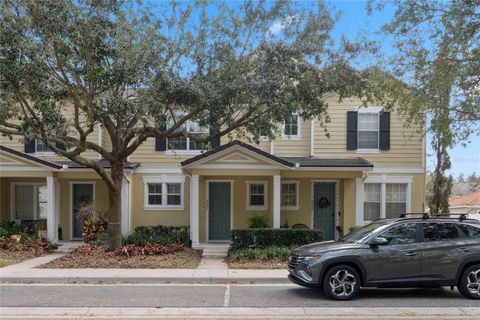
[
  {"x": 324, "y": 208},
  {"x": 219, "y": 210},
  {"x": 82, "y": 194}
]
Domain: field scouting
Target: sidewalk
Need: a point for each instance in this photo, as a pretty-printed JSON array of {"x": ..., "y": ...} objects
[{"x": 26, "y": 272}]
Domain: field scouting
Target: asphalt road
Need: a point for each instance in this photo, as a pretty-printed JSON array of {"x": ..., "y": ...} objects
[{"x": 218, "y": 295}]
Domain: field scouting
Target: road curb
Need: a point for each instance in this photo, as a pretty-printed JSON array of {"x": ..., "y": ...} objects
[{"x": 153, "y": 280}]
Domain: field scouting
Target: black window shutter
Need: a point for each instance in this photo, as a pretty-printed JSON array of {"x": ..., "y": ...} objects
[
  {"x": 29, "y": 145},
  {"x": 215, "y": 142},
  {"x": 384, "y": 130},
  {"x": 352, "y": 128},
  {"x": 161, "y": 144},
  {"x": 60, "y": 146}
]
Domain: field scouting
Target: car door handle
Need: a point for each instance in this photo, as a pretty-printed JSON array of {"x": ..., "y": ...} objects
[
  {"x": 463, "y": 250},
  {"x": 411, "y": 253}
]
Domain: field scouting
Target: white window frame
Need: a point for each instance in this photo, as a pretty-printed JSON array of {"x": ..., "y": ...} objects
[
  {"x": 297, "y": 192},
  {"x": 35, "y": 185},
  {"x": 42, "y": 153},
  {"x": 163, "y": 180},
  {"x": 383, "y": 180},
  {"x": 297, "y": 136},
  {"x": 187, "y": 151},
  {"x": 265, "y": 191},
  {"x": 373, "y": 110}
]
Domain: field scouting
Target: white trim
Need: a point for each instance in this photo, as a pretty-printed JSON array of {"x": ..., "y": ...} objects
[
  {"x": 389, "y": 179},
  {"x": 468, "y": 207},
  {"x": 359, "y": 196},
  {"x": 243, "y": 160},
  {"x": 99, "y": 138},
  {"x": 380, "y": 169},
  {"x": 207, "y": 207},
  {"x": 333, "y": 169},
  {"x": 367, "y": 150},
  {"x": 369, "y": 109},
  {"x": 20, "y": 168},
  {"x": 265, "y": 191},
  {"x": 297, "y": 136},
  {"x": 71, "y": 183},
  {"x": 23, "y": 159},
  {"x": 163, "y": 180},
  {"x": 126, "y": 206},
  {"x": 277, "y": 185},
  {"x": 171, "y": 152},
  {"x": 52, "y": 225},
  {"x": 312, "y": 138},
  {"x": 236, "y": 166},
  {"x": 272, "y": 147},
  {"x": 297, "y": 195},
  {"x": 13, "y": 161},
  {"x": 336, "y": 219},
  {"x": 158, "y": 170},
  {"x": 194, "y": 210},
  {"x": 35, "y": 197}
]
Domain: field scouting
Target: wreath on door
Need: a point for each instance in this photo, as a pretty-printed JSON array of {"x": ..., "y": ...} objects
[{"x": 324, "y": 203}]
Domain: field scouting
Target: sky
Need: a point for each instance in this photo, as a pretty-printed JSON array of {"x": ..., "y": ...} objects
[{"x": 354, "y": 18}]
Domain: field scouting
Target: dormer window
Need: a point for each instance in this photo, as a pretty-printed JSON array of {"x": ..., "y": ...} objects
[{"x": 40, "y": 146}]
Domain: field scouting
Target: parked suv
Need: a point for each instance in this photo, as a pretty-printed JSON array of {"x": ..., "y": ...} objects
[{"x": 393, "y": 253}]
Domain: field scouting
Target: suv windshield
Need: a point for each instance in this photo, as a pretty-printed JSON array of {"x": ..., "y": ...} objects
[{"x": 360, "y": 233}]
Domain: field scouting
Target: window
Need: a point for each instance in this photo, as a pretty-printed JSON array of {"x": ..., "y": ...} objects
[
  {"x": 29, "y": 201},
  {"x": 257, "y": 195},
  {"x": 155, "y": 194},
  {"x": 396, "y": 199},
  {"x": 164, "y": 193},
  {"x": 440, "y": 232},
  {"x": 289, "y": 196},
  {"x": 404, "y": 233},
  {"x": 368, "y": 125},
  {"x": 469, "y": 231},
  {"x": 371, "y": 204},
  {"x": 185, "y": 143},
  {"x": 291, "y": 127},
  {"x": 174, "y": 194},
  {"x": 40, "y": 146}
]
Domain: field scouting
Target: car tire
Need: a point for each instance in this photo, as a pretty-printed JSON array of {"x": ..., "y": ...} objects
[
  {"x": 469, "y": 284},
  {"x": 341, "y": 282}
]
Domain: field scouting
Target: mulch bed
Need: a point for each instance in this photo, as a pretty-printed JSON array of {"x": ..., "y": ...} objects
[
  {"x": 98, "y": 258},
  {"x": 8, "y": 257},
  {"x": 258, "y": 264}
]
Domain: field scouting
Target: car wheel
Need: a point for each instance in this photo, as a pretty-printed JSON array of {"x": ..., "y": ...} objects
[
  {"x": 341, "y": 283},
  {"x": 469, "y": 284}
]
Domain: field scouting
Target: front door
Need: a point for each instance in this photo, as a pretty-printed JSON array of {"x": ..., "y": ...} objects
[
  {"x": 324, "y": 208},
  {"x": 219, "y": 206},
  {"x": 82, "y": 194}
]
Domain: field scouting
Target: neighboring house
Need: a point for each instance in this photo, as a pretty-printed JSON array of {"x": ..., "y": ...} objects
[
  {"x": 371, "y": 167},
  {"x": 469, "y": 204}
]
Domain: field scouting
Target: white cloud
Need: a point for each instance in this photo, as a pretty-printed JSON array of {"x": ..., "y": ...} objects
[{"x": 276, "y": 28}]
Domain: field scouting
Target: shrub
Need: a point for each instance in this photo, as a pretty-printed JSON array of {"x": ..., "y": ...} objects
[
  {"x": 252, "y": 238},
  {"x": 93, "y": 230},
  {"x": 258, "y": 222},
  {"x": 163, "y": 235},
  {"x": 8, "y": 228},
  {"x": 267, "y": 253}
]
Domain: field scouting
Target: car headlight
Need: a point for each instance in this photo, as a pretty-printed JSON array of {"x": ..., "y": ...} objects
[{"x": 310, "y": 258}]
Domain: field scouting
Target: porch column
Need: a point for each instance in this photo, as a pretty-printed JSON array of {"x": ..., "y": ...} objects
[
  {"x": 52, "y": 233},
  {"x": 276, "y": 201},
  {"x": 125, "y": 206},
  {"x": 194, "y": 210}
]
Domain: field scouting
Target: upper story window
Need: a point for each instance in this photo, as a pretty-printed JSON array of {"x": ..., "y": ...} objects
[
  {"x": 368, "y": 125},
  {"x": 40, "y": 146},
  {"x": 186, "y": 143},
  {"x": 291, "y": 127}
]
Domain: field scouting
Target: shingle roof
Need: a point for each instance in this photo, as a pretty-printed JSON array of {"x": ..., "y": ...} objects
[
  {"x": 103, "y": 162},
  {"x": 471, "y": 199},
  {"x": 307, "y": 162},
  {"x": 29, "y": 157}
]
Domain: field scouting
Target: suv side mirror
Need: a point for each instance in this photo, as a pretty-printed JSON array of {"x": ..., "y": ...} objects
[{"x": 379, "y": 241}]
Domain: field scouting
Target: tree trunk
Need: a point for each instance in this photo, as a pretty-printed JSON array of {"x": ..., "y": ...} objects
[{"x": 115, "y": 208}]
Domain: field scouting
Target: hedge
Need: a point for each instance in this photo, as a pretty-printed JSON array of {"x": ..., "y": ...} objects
[
  {"x": 251, "y": 238},
  {"x": 159, "y": 235}
]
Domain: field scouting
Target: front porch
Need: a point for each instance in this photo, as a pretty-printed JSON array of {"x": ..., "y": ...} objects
[{"x": 231, "y": 184}]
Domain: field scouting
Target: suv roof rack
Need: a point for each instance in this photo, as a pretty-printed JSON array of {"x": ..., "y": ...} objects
[{"x": 425, "y": 216}]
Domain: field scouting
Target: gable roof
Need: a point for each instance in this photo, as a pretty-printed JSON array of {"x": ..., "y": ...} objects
[
  {"x": 289, "y": 162},
  {"x": 471, "y": 199},
  {"x": 31, "y": 158}
]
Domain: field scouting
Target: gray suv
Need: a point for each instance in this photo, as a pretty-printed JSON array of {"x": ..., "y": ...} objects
[{"x": 394, "y": 253}]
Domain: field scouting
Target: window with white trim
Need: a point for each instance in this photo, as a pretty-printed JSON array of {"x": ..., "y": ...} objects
[
  {"x": 164, "y": 193},
  {"x": 40, "y": 146},
  {"x": 396, "y": 199},
  {"x": 29, "y": 201},
  {"x": 289, "y": 195},
  {"x": 291, "y": 126},
  {"x": 372, "y": 201},
  {"x": 368, "y": 130},
  {"x": 257, "y": 195},
  {"x": 186, "y": 143}
]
